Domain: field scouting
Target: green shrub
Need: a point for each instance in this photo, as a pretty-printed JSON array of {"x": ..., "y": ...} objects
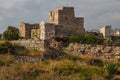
[
  {"x": 77, "y": 38},
  {"x": 6, "y": 47},
  {"x": 112, "y": 69},
  {"x": 85, "y": 39},
  {"x": 95, "y": 62}
]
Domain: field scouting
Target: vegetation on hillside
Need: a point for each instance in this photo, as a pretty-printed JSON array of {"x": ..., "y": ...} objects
[
  {"x": 85, "y": 39},
  {"x": 6, "y": 47},
  {"x": 68, "y": 68},
  {"x": 55, "y": 64},
  {"x": 12, "y": 33}
]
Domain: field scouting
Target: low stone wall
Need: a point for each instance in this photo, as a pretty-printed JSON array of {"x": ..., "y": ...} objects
[
  {"x": 33, "y": 44},
  {"x": 27, "y": 59},
  {"x": 92, "y": 49}
]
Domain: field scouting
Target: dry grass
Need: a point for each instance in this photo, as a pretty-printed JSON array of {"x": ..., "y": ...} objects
[{"x": 64, "y": 69}]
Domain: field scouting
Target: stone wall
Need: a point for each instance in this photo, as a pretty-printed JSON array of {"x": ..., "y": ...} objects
[
  {"x": 35, "y": 33},
  {"x": 94, "y": 50},
  {"x": 33, "y": 44},
  {"x": 25, "y": 29}
]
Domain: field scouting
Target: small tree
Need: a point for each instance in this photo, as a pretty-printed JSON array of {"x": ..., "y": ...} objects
[
  {"x": 12, "y": 33},
  {"x": 90, "y": 39}
]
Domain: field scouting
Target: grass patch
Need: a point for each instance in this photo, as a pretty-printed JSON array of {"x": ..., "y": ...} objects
[{"x": 2, "y": 63}]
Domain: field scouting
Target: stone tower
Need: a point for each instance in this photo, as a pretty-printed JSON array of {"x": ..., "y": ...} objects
[
  {"x": 65, "y": 16},
  {"x": 106, "y": 31},
  {"x": 47, "y": 30}
]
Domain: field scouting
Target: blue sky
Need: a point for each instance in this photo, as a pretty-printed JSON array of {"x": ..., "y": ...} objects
[{"x": 97, "y": 13}]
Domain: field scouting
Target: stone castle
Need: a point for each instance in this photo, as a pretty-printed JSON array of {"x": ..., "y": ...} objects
[{"x": 62, "y": 23}]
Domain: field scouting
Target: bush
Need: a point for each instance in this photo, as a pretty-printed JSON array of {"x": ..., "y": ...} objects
[
  {"x": 112, "y": 69},
  {"x": 6, "y": 47},
  {"x": 85, "y": 39},
  {"x": 77, "y": 38},
  {"x": 95, "y": 62}
]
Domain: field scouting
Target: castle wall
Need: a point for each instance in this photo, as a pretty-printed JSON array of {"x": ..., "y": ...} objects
[
  {"x": 35, "y": 33},
  {"x": 62, "y": 22},
  {"x": 33, "y": 44}
]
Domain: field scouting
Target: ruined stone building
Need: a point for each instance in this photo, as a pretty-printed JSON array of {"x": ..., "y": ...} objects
[
  {"x": 65, "y": 17},
  {"x": 62, "y": 22},
  {"x": 106, "y": 31},
  {"x": 26, "y": 29}
]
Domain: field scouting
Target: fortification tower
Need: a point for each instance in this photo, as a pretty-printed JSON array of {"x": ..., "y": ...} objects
[
  {"x": 65, "y": 16},
  {"x": 62, "y": 15},
  {"x": 47, "y": 30}
]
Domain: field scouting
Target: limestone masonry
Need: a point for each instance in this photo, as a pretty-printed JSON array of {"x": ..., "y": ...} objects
[
  {"x": 106, "y": 31},
  {"x": 62, "y": 22},
  {"x": 25, "y": 29}
]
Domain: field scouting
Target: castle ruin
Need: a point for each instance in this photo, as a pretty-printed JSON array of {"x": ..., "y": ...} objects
[{"x": 62, "y": 23}]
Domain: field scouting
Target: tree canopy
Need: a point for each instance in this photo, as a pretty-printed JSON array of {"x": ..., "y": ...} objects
[{"x": 12, "y": 33}]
